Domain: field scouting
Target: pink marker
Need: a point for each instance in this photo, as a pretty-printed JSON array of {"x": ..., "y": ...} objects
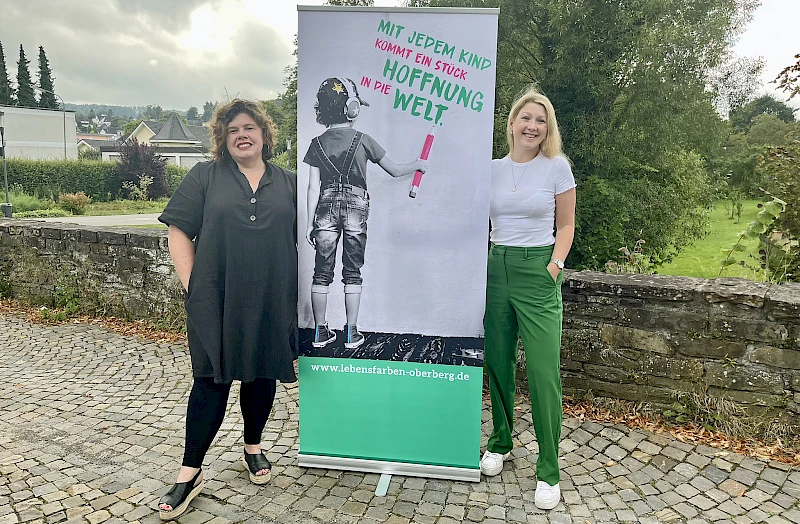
[{"x": 426, "y": 149}]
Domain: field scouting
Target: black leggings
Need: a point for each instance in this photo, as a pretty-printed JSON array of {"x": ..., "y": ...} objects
[{"x": 206, "y": 410}]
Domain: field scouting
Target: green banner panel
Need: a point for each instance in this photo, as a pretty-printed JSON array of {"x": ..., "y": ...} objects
[{"x": 391, "y": 411}]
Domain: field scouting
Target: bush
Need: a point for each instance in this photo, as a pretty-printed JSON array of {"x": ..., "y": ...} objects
[
  {"x": 74, "y": 202},
  {"x": 175, "y": 175},
  {"x": 138, "y": 192},
  {"x": 137, "y": 161},
  {"x": 281, "y": 160},
  {"x": 22, "y": 201},
  {"x": 781, "y": 167},
  {"x": 51, "y": 177},
  {"x": 90, "y": 154},
  {"x": 43, "y": 213},
  {"x": 665, "y": 207}
]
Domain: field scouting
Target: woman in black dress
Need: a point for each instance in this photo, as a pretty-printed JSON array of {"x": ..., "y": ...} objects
[{"x": 240, "y": 277}]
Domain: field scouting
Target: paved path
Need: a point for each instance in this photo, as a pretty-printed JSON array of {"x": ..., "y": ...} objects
[
  {"x": 111, "y": 220},
  {"x": 91, "y": 429}
]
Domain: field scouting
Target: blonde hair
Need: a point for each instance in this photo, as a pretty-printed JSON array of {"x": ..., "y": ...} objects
[
  {"x": 224, "y": 114},
  {"x": 551, "y": 146}
]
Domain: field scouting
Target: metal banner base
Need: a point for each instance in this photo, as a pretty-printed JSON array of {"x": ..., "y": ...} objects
[{"x": 393, "y": 468}]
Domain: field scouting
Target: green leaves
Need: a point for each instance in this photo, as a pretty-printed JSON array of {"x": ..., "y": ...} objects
[
  {"x": 765, "y": 220},
  {"x": 775, "y": 207},
  {"x": 628, "y": 84}
]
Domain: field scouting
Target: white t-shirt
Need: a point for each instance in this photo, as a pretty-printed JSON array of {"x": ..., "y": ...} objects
[{"x": 526, "y": 217}]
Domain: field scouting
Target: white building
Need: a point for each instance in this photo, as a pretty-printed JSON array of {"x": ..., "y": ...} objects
[{"x": 39, "y": 134}]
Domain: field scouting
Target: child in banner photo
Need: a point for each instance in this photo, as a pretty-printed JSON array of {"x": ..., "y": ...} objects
[{"x": 338, "y": 201}]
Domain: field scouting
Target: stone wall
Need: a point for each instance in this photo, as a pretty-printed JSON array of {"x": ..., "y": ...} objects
[
  {"x": 633, "y": 337},
  {"x": 646, "y": 337},
  {"x": 123, "y": 272}
]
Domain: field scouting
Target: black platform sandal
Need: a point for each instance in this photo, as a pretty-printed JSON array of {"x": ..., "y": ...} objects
[
  {"x": 179, "y": 496},
  {"x": 254, "y": 463}
]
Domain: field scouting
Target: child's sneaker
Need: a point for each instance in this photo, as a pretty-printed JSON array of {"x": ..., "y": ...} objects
[
  {"x": 323, "y": 336},
  {"x": 353, "y": 338}
]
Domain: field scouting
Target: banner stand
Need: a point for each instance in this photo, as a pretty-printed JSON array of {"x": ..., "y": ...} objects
[
  {"x": 390, "y": 363},
  {"x": 392, "y": 468}
]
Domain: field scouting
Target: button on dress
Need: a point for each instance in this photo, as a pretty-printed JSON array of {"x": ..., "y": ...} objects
[{"x": 241, "y": 306}]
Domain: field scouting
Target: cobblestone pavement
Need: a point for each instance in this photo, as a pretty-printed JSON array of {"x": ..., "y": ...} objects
[{"x": 91, "y": 429}]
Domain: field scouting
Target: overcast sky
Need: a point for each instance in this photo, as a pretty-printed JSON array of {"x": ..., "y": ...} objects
[{"x": 181, "y": 53}]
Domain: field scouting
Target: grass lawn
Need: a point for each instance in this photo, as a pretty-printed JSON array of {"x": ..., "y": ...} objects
[
  {"x": 703, "y": 259},
  {"x": 125, "y": 207}
]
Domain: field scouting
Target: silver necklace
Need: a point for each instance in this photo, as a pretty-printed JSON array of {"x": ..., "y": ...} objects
[{"x": 518, "y": 180}]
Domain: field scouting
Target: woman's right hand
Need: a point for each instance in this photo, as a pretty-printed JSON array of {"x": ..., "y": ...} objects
[{"x": 310, "y": 236}]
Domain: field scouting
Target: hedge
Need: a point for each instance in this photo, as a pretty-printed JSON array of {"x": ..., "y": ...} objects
[
  {"x": 97, "y": 179},
  {"x": 174, "y": 176}
]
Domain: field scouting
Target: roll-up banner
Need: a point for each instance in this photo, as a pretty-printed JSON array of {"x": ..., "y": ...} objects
[{"x": 393, "y": 260}]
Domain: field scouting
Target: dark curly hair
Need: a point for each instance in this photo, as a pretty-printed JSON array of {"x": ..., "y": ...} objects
[{"x": 224, "y": 114}]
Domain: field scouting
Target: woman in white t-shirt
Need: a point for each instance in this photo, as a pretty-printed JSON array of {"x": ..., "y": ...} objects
[{"x": 533, "y": 194}]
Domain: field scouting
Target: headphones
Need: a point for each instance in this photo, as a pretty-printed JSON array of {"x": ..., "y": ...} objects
[{"x": 352, "y": 107}]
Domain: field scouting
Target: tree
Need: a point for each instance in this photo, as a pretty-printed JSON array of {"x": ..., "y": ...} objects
[
  {"x": 789, "y": 79},
  {"x": 192, "y": 113},
  {"x": 288, "y": 101},
  {"x": 154, "y": 113},
  {"x": 6, "y": 91},
  {"x": 742, "y": 117},
  {"x": 275, "y": 111},
  {"x": 142, "y": 170},
  {"x": 735, "y": 83},
  {"x": 744, "y": 149},
  {"x": 208, "y": 110},
  {"x": 47, "y": 99},
  {"x": 770, "y": 130},
  {"x": 130, "y": 127},
  {"x": 118, "y": 122},
  {"x": 781, "y": 167},
  {"x": 630, "y": 87},
  {"x": 25, "y": 94}
]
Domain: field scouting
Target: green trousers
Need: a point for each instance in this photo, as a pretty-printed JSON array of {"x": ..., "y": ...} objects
[{"x": 523, "y": 300}]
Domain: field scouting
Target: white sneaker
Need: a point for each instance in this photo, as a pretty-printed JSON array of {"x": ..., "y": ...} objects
[
  {"x": 547, "y": 496},
  {"x": 491, "y": 463}
]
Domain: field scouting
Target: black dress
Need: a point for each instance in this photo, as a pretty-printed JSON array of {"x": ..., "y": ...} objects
[{"x": 241, "y": 306}]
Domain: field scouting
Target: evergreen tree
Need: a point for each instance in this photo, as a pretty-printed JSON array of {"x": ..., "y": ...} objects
[
  {"x": 25, "y": 95},
  {"x": 47, "y": 98},
  {"x": 6, "y": 92}
]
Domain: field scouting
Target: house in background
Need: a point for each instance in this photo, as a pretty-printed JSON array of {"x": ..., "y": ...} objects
[
  {"x": 91, "y": 144},
  {"x": 39, "y": 134},
  {"x": 179, "y": 143}
]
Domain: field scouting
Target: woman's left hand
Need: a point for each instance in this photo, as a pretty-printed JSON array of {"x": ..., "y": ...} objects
[{"x": 554, "y": 271}]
